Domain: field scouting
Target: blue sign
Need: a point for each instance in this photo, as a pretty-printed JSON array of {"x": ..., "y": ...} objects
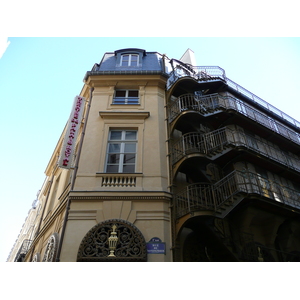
[{"x": 156, "y": 246}]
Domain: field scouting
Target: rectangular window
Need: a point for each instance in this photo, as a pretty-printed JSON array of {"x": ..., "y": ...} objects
[
  {"x": 121, "y": 151},
  {"x": 129, "y": 60},
  {"x": 126, "y": 97}
]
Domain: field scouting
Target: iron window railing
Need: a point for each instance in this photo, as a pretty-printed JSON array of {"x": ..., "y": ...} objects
[{"x": 129, "y": 97}]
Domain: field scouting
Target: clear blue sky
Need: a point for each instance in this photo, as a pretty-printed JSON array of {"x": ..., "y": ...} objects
[{"x": 39, "y": 78}]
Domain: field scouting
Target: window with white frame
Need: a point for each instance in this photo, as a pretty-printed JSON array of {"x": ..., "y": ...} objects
[
  {"x": 126, "y": 97},
  {"x": 129, "y": 60},
  {"x": 121, "y": 151}
]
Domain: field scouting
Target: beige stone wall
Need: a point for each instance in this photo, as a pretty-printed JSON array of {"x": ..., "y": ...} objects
[
  {"x": 152, "y": 218},
  {"x": 140, "y": 198},
  {"x": 148, "y": 118}
]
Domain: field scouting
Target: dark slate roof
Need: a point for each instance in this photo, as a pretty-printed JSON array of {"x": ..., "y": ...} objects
[{"x": 150, "y": 61}]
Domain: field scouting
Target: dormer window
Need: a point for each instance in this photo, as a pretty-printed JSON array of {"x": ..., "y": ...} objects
[{"x": 129, "y": 60}]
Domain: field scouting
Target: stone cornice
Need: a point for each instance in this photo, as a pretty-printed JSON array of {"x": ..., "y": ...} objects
[
  {"x": 124, "y": 115},
  {"x": 120, "y": 198},
  {"x": 99, "y": 79},
  {"x": 124, "y": 72}
]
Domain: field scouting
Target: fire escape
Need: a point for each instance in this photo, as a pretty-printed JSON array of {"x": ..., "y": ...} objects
[{"x": 203, "y": 95}]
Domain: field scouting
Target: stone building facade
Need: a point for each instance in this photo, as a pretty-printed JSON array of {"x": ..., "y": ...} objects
[{"x": 164, "y": 161}]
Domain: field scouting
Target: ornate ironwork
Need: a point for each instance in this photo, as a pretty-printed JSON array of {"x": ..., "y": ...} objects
[
  {"x": 51, "y": 248},
  {"x": 113, "y": 240}
]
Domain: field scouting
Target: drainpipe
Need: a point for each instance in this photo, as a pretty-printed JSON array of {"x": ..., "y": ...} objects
[
  {"x": 163, "y": 63},
  {"x": 74, "y": 177}
]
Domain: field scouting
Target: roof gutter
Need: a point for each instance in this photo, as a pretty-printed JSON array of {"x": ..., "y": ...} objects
[{"x": 125, "y": 72}]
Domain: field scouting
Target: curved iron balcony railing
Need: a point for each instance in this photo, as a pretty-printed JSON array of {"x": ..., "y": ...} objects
[
  {"x": 218, "y": 140},
  {"x": 211, "y": 73},
  {"x": 203, "y": 73},
  {"x": 195, "y": 142},
  {"x": 214, "y": 103},
  {"x": 237, "y": 184}
]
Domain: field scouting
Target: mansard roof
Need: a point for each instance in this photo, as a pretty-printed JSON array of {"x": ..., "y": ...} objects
[{"x": 149, "y": 62}]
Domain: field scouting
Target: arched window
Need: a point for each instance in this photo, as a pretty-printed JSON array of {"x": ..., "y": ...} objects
[
  {"x": 51, "y": 248},
  {"x": 129, "y": 60}
]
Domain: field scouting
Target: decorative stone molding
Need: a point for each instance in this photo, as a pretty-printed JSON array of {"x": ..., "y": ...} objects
[
  {"x": 113, "y": 240},
  {"x": 51, "y": 248},
  {"x": 121, "y": 198},
  {"x": 37, "y": 257},
  {"x": 124, "y": 115}
]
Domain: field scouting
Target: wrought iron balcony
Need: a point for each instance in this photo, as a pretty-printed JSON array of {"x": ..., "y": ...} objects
[
  {"x": 232, "y": 188},
  {"x": 214, "y": 103},
  {"x": 212, "y": 73},
  {"x": 217, "y": 141},
  {"x": 23, "y": 250},
  {"x": 199, "y": 73},
  {"x": 206, "y": 144}
]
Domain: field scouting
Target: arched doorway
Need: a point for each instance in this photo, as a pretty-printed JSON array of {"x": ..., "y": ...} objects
[{"x": 199, "y": 241}]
